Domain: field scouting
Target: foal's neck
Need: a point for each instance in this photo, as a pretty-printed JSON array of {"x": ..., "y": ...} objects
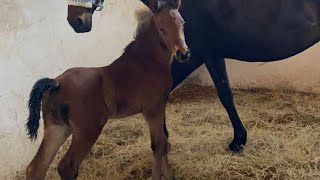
[{"x": 150, "y": 47}]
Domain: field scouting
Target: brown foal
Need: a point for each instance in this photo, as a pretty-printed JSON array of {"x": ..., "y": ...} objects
[{"x": 81, "y": 100}]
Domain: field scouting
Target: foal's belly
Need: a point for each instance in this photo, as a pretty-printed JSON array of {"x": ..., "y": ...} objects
[{"x": 125, "y": 109}]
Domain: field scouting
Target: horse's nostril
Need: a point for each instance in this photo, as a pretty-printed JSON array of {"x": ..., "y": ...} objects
[{"x": 79, "y": 22}]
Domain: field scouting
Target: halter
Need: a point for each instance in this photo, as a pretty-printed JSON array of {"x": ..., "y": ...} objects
[{"x": 86, "y": 3}]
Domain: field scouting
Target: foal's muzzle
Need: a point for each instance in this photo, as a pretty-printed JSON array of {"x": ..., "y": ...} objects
[{"x": 183, "y": 57}]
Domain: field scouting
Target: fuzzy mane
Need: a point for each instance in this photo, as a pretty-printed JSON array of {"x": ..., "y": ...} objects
[{"x": 143, "y": 16}]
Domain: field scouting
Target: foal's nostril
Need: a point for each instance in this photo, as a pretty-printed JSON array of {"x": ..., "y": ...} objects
[
  {"x": 183, "y": 57},
  {"x": 188, "y": 53}
]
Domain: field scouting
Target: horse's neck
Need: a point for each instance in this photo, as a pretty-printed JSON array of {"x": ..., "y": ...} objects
[{"x": 150, "y": 46}]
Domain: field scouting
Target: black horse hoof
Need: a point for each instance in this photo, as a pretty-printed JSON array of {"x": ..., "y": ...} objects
[
  {"x": 239, "y": 142},
  {"x": 236, "y": 148}
]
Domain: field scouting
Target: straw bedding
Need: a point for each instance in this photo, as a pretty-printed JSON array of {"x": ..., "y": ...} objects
[{"x": 283, "y": 139}]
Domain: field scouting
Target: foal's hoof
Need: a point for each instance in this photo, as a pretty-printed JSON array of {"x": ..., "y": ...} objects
[{"x": 238, "y": 142}]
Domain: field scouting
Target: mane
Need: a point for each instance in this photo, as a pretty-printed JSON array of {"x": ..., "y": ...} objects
[{"x": 143, "y": 16}]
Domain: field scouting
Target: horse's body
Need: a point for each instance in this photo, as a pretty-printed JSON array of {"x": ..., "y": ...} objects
[
  {"x": 251, "y": 30},
  {"x": 246, "y": 30},
  {"x": 81, "y": 100}
]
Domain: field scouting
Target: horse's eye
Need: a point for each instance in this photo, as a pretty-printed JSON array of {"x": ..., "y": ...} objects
[{"x": 162, "y": 30}]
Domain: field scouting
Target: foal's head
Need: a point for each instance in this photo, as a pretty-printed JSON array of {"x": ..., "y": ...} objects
[{"x": 170, "y": 25}]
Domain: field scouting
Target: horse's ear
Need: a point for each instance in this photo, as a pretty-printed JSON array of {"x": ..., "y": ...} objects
[{"x": 152, "y": 4}]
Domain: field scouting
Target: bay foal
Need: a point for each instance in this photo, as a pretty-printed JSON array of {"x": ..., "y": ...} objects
[{"x": 81, "y": 100}]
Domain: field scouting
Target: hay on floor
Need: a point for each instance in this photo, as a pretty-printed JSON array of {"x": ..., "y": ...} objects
[{"x": 283, "y": 139}]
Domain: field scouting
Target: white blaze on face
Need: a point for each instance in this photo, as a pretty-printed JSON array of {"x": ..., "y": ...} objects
[{"x": 182, "y": 43}]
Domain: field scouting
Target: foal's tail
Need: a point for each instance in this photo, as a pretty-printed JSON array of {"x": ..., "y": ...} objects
[{"x": 34, "y": 104}]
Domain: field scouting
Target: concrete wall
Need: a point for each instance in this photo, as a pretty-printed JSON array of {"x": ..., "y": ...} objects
[{"x": 36, "y": 42}]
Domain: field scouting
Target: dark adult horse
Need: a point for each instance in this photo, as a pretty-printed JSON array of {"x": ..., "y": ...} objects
[{"x": 246, "y": 30}]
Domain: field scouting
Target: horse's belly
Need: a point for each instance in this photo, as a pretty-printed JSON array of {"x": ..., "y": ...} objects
[
  {"x": 254, "y": 32},
  {"x": 285, "y": 37},
  {"x": 271, "y": 47},
  {"x": 264, "y": 49}
]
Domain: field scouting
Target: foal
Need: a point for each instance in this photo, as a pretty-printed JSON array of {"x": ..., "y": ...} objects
[{"x": 81, "y": 100}]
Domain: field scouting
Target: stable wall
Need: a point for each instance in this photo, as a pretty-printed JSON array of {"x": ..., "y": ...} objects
[{"x": 36, "y": 41}]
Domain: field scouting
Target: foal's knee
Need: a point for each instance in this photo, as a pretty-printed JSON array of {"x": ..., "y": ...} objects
[{"x": 160, "y": 148}]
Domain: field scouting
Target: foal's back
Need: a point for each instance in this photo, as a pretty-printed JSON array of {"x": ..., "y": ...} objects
[{"x": 119, "y": 90}]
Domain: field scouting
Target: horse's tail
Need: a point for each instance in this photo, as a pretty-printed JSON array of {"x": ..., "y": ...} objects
[{"x": 34, "y": 104}]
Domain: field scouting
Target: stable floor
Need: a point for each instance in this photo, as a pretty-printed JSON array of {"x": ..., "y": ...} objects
[{"x": 283, "y": 139}]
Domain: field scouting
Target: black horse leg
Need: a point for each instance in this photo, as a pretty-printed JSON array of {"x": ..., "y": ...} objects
[
  {"x": 217, "y": 70},
  {"x": 180, "y": 71}
]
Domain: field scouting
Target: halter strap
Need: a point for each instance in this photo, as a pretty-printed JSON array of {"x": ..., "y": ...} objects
[{"x": 86, "y": 3}]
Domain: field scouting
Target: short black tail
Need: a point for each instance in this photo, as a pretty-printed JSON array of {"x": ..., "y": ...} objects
[{"x": 34, "y": 104}]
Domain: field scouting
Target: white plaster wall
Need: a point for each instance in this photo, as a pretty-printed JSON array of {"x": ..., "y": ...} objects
[{"x": 36, "y": 41}]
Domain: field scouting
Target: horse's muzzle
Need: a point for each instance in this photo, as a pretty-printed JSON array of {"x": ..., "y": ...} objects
[
  {"x": 80, "y": 25},
  {"x": 182, "y": 58}
]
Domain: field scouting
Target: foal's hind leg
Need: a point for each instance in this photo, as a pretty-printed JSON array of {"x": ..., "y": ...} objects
[
  {"x": 83, "y": 139},
  {"x": 159, "y": 144},
  {"x": 54, "y": 136}
]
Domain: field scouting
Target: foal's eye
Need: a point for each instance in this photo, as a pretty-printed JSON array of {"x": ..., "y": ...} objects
[{"x": 162, "y": 30}]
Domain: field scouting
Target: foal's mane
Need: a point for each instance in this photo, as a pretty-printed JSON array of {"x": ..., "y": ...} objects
[{"x": 143, "y": 17}]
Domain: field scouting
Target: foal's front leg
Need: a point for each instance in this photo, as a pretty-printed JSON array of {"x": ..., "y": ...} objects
[{"x": 159, "y": 142}]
